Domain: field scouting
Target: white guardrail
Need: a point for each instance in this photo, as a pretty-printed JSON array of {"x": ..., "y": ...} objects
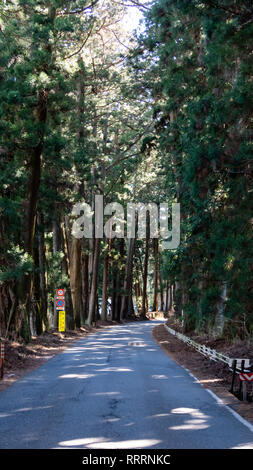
[{"x": 210, "y": 353}]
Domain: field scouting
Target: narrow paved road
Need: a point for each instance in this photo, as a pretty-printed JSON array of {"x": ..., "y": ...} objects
[{"x": 115, "y": 389}]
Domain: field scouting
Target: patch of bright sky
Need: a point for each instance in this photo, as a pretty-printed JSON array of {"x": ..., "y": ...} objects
[{"x": 132, "y": 19}]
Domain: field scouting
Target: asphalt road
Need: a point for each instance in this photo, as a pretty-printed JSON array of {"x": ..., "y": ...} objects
[{"x": 115, "y": 389}]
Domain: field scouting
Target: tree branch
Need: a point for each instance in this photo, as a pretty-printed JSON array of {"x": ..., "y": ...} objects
[
  {"x": 221, "y": 7},
  {"x": 82, "y": 46},
  {"x": 133, "y": 4},
  {"x": 121, "y": 160},
  {"x": 82, "y": 10}
]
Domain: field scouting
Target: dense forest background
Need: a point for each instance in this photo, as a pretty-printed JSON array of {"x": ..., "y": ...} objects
[{"x": 161, "y": 115}]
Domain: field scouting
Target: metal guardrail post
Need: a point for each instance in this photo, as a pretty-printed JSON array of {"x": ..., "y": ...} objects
[
  {"x": 240, "y": 385},
  {"x": 233, "y": 376},
  {"x": 244, "y": 390}
]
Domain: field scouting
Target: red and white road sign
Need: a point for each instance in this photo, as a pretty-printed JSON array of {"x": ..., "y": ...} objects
[
  {"x": 60, "y": 304},
  {"x": 60, "y": 292},
  {"x": 248, "y": 377}
]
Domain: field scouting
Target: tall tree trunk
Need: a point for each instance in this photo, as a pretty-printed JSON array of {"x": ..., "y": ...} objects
[
  {"x": 57, "y": 244},
  {"x": 85, "y": 287},
  {"x": 70, "y": 322},
  {"x": 36, "y": 313},
  {"x": 35, "y": 174},
  {"x": 119, "y": 297},
  {"x": 105, "y": 283},
  {"x": 145, "y": 270},
  {"x": 171, "y": 303},
  {"x": 130, "y": 304},
  {"x": 177, "y": 299},
  {"x": 5, "y": 325},
  {"x": 34, "y": 167},
  {"x": 126, "y": 299},
  {"x": 161, "y": 293},
  {"x": 166, "y": 308},
  {"x": 94, "y": 282},
  {"x": 42, "y": 270},
  {"x": 76, "y": 280},
  {"x": 75, "y": 245},
  {"x": 114, "y": 294},
  {"x": 138, "y": 294},
  {"x": 35, "y": 164},
  {"x": 155, "y": 250},
  {"x": 219, "y": 319},
  {"x": 119, "y": 278}
]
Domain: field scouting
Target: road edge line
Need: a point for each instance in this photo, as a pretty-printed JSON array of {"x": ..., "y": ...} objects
[
  {"x": 236, "y": 415},
  {"x": 221, "y": 402},
  {"x": 218, "y": 399}
]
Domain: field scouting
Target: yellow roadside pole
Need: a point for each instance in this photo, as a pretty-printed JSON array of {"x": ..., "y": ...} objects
[{"x": 62, "y": 321}]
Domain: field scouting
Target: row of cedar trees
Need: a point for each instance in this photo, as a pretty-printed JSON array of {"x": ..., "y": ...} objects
[
  {"x": 75, "y": 124},
  {"x": 108, "y": 279},
  {"x": 195, "y": 59},
  {"x": 62, "y": 141}
]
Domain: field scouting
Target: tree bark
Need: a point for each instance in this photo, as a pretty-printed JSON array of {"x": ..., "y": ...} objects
[
  {"x": 145, "y": 271},
  {"x": 219, "y": 319},
  {"x": 119, "y": 276},
  {"x": 94, "y": 281},
  {"x": 76, "y": 280},
  {"x": 161, "y": 293},
  {"x": 166, "y": 309},
  {"x": 105, "y": 283},
  {"x": 35, "y": 164},
  {"x": 57, "y": 243},
  {"x": 127, "y": 296},
  {"x": 85, "y": 287},
  {"x": 36, "y": 313},
  {"x": 171, "y": 303},
  {"x": 70, "y": 323},
  {"x": 155, "y": 250},
  {"x": 42, "y": 270}
]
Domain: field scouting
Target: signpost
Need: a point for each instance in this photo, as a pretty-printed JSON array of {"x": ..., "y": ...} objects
[{"x": 60, "y": 305}]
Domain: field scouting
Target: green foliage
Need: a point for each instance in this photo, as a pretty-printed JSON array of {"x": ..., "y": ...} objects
[
  {"x": 200, "y": 79},
  {"x": 173, "y": 123},
  {"x": 19, "y": 265}
]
